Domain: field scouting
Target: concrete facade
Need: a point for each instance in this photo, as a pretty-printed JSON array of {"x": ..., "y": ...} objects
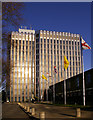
[{"x": 34, "y": 54}]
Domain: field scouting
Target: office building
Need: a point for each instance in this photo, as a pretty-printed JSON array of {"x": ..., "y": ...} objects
[
  {"x": 34, "y": 54},
  {"x": 51, "y": 47},
  {"x": 22, "y": 62}
]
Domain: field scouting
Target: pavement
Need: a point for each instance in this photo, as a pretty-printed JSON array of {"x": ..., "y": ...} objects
[
  {"x": 59, "y": 112},
  {"x": 12, "y": 111}
]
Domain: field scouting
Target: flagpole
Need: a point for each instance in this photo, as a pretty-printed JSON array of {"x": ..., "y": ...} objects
[
  {"x": 83, "y": 73},
  {"x": 47, "y": 86},
  {"x": 64, "y": 87},
  {"x": 83, "y": 80}
]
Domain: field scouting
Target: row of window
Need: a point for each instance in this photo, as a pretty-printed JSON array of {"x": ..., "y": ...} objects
[{"x": 58, "y": 41}]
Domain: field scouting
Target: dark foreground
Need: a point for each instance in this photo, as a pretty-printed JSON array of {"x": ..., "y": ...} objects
[{"x": 12, "y": 111}]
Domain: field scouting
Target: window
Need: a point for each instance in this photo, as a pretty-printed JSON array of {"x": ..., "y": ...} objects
[
  {"x": 75, "y": 43},
  {"x": 72, "y": 42},
  {"x": 66, "y": 42},
  {"x": 60, "y": 46},
  {"x": 69, "y": 42},
  {"x": 44, "y": 46},
  {"x": 75, "y": 47},
  {"x": 41, "y": 40},
  {"x": 72, "y": 47},
  {"x": 44, "y": 40},
  {"x": 69, "y": 47},
  {"x": 54, "y": 41},
  {"x": 37, "y": 40},
  {"x": 66, "y": 47},
  {"x": 60, "y": 41},
  {"x": 57, "y": 46},
  {"x": 57, "y": 41},
  {"x": 63, "y": 42}
]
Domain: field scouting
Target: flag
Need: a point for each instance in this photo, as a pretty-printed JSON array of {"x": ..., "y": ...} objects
[
  {"x": 43, "y": 77},
  {"x": 84, "y": 44},
  {"x": 66, "y": 63},
  {"x": 55, "y": 69}
]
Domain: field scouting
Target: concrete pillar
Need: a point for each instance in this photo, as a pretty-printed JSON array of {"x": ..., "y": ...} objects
[
  {"x": 33, "y": 111},
  {"x": 42, "y": 115},
  {"x": 78, "y": 112}
]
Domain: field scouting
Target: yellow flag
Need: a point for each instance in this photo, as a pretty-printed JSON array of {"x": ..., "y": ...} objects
[
  {"x": 66, "y": 63},
  {"x": 43, "y": 77}
]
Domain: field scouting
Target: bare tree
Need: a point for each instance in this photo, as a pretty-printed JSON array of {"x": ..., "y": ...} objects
[{"x": 11, "y": 18}]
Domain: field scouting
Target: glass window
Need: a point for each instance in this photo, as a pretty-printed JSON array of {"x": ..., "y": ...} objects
[
  {"x": 60, "y": 46},
  {"x": 73, "y": 52},
  {"x": 44, "y": 40},
  {"x": 57, "y": 41},
  {"x": 75, "y": 43},
  {"x": 63, "y": 42},
  {"x": 54, "y": 42},
  {"x": 51, "y": 41},
  {"x": 67, "y": 52},
  {"x": 19, "y": 41},
  {"x": 47, "y": 40},
  {"x": 75, "y": 47},
  {"x": 44, "y": 46},
  {"x": 66, "y": 47},
  {"x": 37, "y": 40},
  {"x": 72, "y": 42},
  {"x": 69, "y": 42},
  {"x": 47, "y": 45},
  {"x": 57, "y": 46},
  {"x": 41, "y": 40},
  {"x": 69, "y": 47},
  {"x": 60, "y": 41},
  {"x": 66, "y": 42},
  {"x": 26, "y": 42}
]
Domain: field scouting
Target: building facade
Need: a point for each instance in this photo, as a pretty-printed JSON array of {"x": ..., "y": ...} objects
[
  {"x": 34, "y": 54},
  {"x": 51, "y": 47},
  {"x": 22, "y": 62}
]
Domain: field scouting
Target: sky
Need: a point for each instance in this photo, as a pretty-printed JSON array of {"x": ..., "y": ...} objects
[{"x": 73, "y": 17}]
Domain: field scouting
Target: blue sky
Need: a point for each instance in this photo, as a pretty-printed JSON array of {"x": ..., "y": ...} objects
[{"x": 73, "y": 17}]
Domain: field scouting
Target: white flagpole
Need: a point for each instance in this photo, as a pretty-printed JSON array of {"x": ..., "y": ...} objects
[
  {"x": 47, "y": 90},
  {"x": 83, "y": 75},
  {"x": 83, "y": 80},
  {"x": 65, "y": 87}
]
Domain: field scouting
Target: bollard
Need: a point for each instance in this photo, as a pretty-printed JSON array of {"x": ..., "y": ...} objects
[
  {"x": 30, "y": 110},
  {"x": 27, "y": 109},
  {"x": 78, "y": 112},
  {"x": 42, "y": 115},
  {"x": 33, "y": 111}
]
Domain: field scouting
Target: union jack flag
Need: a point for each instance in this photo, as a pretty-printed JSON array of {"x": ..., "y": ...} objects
[{"x": 55, "y": 69}]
